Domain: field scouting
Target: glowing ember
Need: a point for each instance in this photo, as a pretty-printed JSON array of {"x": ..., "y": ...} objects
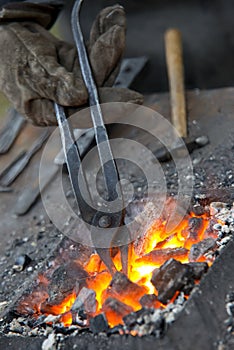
[
  {"x": 120, "y": 295},
  {"x": 176, "y": 245}
]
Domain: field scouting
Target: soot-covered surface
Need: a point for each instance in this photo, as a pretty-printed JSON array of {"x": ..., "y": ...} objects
[{"x": 210, "y": 112}]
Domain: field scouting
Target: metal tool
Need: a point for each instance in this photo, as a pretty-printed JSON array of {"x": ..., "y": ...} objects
[
  {"x": 164, "y": 155},
  {"x": 100, "y": 220},
  {"x": 29, "y": 195},
  {"x": 130, "y": 68},
  {"x": 14, "y": 169},
  {"x": 5, "y": 189},
  {"x": 11, "y": 130}
]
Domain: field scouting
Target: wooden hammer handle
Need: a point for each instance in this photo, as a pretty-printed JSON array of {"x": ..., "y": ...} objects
[{"x": 174, "y": 58}]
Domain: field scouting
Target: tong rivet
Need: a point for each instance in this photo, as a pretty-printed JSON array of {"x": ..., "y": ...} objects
[{"x": 104, "y": 221}]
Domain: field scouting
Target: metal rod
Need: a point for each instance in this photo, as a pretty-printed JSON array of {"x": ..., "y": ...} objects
[
  {"x": 110, "y": 173},
  {"x": 9, "y": 133},
  {"x": 74, "y": 166},
  {"x": 19, "y": 164}
]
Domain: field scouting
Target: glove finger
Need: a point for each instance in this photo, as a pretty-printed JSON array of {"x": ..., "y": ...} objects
[
  {"x": 108, "y": 94},
  {"x": 106, "y": 53},
  {"x": 107, "y": 43},
  {"x": 40, "y": 112},
  {"x": 67, "y": 57},
  {"x": 107, "y": 18}
]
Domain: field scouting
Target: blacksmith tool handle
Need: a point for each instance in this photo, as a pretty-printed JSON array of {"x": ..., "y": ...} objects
[
  {"x": 109, "y": 169},
  {"x": 175, "y": 69}
]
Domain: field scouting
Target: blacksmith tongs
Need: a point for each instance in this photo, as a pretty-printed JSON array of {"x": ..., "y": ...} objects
[{"x": 106, "y": 226}]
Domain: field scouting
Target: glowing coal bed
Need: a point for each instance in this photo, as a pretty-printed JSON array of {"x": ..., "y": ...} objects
[{"x": 163, "y": 270}]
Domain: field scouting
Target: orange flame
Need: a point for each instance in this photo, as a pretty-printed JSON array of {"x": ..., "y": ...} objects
[
  {"x": 156, "y": 248},
  {"x": 141, "y": 268}
]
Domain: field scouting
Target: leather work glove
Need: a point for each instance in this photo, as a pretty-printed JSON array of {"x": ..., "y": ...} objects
[{"x": 37, "y": 68}]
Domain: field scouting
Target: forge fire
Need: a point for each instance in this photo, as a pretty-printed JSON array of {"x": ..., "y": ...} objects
[{"x": 163, "y": 269}]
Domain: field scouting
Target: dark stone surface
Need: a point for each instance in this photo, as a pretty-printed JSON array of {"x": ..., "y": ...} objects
[
  {"x": 205, "y": 309},
  {"x": 20, "y": 343}
]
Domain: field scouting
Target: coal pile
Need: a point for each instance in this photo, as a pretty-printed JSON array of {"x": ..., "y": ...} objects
[{"x": 174, "y": 282}]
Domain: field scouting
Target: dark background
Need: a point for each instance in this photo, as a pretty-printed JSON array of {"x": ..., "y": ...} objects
[{"x": 207, "y": 28}]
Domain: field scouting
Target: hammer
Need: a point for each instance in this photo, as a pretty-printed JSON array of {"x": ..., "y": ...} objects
[{"x": 175, "y": 70}]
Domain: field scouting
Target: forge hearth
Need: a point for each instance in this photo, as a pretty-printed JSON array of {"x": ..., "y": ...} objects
[
  {"x": 75, "y": 294},
  {"x": 158, "y": 265},
  {"x": 203, "y": 321}
]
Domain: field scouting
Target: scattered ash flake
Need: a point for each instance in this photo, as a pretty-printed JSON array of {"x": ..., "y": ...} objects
[{"x": 224, "y": 214}]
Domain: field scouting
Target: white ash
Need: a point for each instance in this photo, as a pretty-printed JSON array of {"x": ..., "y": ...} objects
[
  {"x": 224, "y": 214},
  {"x": 52, "y": 319},
  {"x": 49, "y": 343},
  {"x": 171, "y": 313},
  {"x": 218, "y": 207},
  {"x": 217, "y": 227},
  {"x": 156, "y": 321}
]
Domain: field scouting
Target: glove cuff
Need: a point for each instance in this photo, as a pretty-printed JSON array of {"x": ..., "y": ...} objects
[{"x": 43, "y": 14}]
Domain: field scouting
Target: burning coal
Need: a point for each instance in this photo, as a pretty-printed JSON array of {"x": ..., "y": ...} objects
[{"x": 161, "y": 267}]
